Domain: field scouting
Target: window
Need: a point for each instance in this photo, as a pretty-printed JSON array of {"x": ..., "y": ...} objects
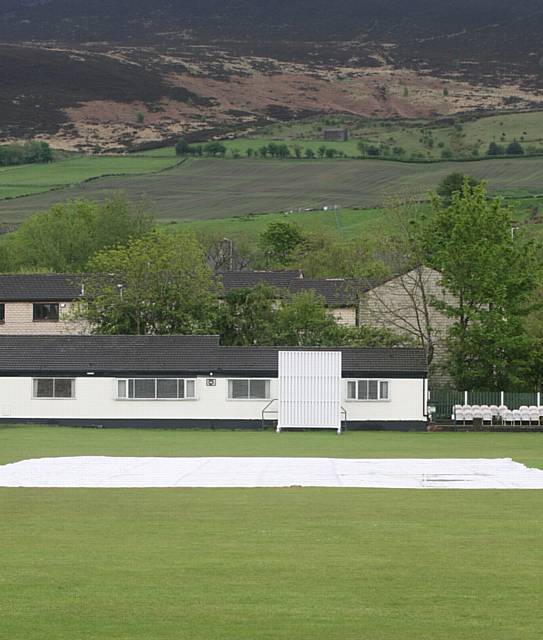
[
  {"x": 2, "y": 313},
  {"x": 367, "y": 390},
  {"x": 257, "y": 389},
  {"x": 156, "y": 389},
  {"x": 53, "y": 388},
  {"x": 46, "y": 312}
]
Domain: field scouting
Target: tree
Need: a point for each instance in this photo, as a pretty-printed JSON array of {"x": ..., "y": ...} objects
[
  {"x": 246, "y": 316},
  {"x": 159, "y": 284},
  {"x": 214, "y": 149},
  {"x": 309, "y": 153},
  {"x": 514, "y": 149},
  {"x": 304, "y": 321},
  {"x": 279, "y": 241},
  {"x": 64, "y": 237},
  {"x": 322, "y": 255},
  {"x": 182, "y": 147},
  {"x": 407, "y": 287},
  {"x": 491, "y": 277},
  {"x": 495, "y": 149},
  {"x": 453, "y": 183}
]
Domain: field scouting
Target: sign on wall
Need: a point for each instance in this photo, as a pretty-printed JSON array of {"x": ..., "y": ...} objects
[{"x": 309, "y": 390}]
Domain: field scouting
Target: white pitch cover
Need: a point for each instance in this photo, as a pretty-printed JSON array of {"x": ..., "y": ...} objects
[{"x": 309, "y": 390}]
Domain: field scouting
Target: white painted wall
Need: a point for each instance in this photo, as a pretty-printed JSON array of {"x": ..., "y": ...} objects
[{"x": 96, "y": 398}]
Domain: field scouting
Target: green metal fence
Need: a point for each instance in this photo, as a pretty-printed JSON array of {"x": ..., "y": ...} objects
[{"x": 443, "y": 400}]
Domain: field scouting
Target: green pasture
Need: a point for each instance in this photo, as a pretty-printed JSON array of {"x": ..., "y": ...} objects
[
  {"x": 272, "y": 564},
  {"x": 208, "y": 188},
  {"x": 34, "y": 178},
  {"x": 343, "y": 223}
]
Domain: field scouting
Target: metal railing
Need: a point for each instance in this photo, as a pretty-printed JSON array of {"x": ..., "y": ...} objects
[
  {"x": 443, "y": 401},
  {"x": 268, "y": 409}
]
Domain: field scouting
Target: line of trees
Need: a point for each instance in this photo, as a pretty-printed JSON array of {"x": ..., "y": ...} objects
[{"x": 28, "y": 153}]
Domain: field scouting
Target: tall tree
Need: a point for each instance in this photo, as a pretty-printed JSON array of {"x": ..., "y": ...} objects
[
  {"x": 279, "y": 241},
  {"x": 492, "y": 274},
  {"x": 454, "y": 183},
  {"x": 158, "y": 284},
  {"x": 305, "y": 321},
  {"x": 247, "y": 316},
  {"x": 68, "y": 234}
]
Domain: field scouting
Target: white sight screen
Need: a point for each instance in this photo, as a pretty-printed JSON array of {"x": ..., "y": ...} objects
[{"x": 310, "y": 389}]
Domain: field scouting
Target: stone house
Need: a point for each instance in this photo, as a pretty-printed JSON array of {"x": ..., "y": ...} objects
[
  {"x": 403, "y": 304},
  {"x": 38, "y": 303}
]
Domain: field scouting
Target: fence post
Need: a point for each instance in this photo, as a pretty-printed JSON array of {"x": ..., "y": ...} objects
[
  {"x": 502, "y": 397},
  {"x": 465, "y": 397}
]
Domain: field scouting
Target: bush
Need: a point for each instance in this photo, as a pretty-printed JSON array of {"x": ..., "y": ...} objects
[
  {"x": 514, "y": 149},
  {"x": 495, "y": 149}
]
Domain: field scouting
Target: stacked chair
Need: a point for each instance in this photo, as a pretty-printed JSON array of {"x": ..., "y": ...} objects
[{"x": 494, "y": 415}]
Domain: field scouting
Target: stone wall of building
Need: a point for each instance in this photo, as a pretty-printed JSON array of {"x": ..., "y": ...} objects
[{"x": 18, "y": 320}]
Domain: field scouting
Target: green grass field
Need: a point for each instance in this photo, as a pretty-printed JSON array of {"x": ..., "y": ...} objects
[
  {"x": 35, "y": 178},
  {"x": 213, "y": 188},
  {"x": 275, "y": 564}
]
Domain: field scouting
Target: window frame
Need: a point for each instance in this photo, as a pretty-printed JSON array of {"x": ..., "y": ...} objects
[
  {"x": 267, "y": 386},
  {"x": 54, "y": 379},
  {"x": 357, "y": 382},
  {"x": 127, "y": 382},
  {"x": 45, "y": 304}
]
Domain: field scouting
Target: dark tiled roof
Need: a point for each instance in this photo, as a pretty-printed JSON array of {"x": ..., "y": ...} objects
[
  {"x": 39, "y": 287},
  {"x": 245, "y": 279},
  {"x": 108, "y": 354},
  {"x": 338, "y": 293},
  {"x": 355, "y": 361},
  {"x": 34, "y": 355}
]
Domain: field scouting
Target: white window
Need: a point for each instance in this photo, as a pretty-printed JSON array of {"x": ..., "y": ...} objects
[
  {"x": 53, "y": 388},
  {"x": 156, "y": 389},
  {"x": 367, "y": 390},
  {"x": 255, "y": 389}
]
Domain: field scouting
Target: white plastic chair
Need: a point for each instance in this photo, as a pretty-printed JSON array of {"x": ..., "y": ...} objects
[
  {"x": 524, "y": 407},
  {"x": 540, "y": 409},
  {"x": 517, "y": 418},
  {"x": 525, "y": 416},
  {"x": 456, "y": 409},
  {"x": 534, "y": 417},
  {"x": 487, "y": 416},
  {"x": 468, "y": 416},
  {"x": 459, "y": 415},
  {"x": 507, "y": 417},
  {"x": 502, "y": 408},
  {"x": 495, "y": 410}
]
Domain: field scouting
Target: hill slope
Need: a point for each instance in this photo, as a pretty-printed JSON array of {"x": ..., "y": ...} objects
[{"x": 281, "y": 58}]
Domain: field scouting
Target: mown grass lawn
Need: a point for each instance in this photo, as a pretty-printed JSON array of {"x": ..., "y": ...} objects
[{"x": 308, "y": 564}]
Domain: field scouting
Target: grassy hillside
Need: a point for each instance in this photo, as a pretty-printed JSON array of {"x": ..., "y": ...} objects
[{"x": 213, "y": 188}]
